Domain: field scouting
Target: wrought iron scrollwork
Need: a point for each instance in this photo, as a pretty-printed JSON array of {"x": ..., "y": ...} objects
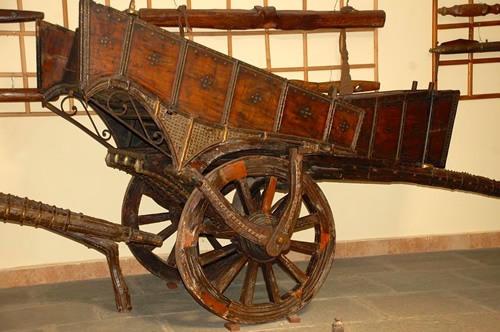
[
  {"x": 105, "y": 134},
  {"x": 128, "y": 110},
  {"x": 73, "y": 114},
  {"x": 126, "y": 119},
  {"x": 119, "y": 109}
]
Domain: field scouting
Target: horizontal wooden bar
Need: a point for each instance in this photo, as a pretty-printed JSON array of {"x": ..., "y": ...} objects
[
  {"x": 263, "y": 18},
  {"x": 17, "y": 33},
  {"x": 467, "y": 25},
  {"x": 480, "y": 96},
  {"x": 467, "y": 61},
  {"x": 20, "y": 95},
  {"x": 17, "y": 16}
]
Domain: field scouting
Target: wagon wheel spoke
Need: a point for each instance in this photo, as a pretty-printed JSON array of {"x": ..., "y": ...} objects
[
  {"x": 159, "y": 261},
  {"x": 306, "y": 222},
  {"x": 272, "y": 287},
  {"x": 268, "y": 194},
  {"x": 226, "y": 276},
  {"x": 245, "y": 196},
  {"x": 153, "y": 218},
  {"x": 292, "y": 269},
  {"x": 279, "y": 207},
  {"x": 171, "y": 258},
  {"x": 218, "y": 232},
  {"x": 217, "y": 254},
  {"x": 214, "y": 242},
  {"x": 248, "y": 289},
  {"x": 169, "y": 231},
  {"x": 308, "y": 248}
]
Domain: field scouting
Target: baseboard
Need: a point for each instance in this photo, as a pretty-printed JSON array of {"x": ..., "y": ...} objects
[{"x": 374, "y": 247}]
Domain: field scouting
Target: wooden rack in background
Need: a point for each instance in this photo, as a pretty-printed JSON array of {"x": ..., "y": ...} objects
[{"x": 468, "y": 46}]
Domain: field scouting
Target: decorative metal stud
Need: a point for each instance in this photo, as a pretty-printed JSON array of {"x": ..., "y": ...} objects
[
  {"x": 206, "y": 81},
  {"x": 344, "y": 126},
  {"x": 105, "y": 41},
  {"x": 256, "y": 98},
  {"x": 305, "y": 111},
  {"x": 154, "y": 58}
]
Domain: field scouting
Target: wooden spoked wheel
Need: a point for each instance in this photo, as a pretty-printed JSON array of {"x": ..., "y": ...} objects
[
  {"x": 235, "y": 278},
  {"x": 160, "y": 216}
]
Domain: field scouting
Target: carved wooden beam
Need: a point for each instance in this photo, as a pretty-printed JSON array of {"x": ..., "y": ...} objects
[
  {"x": 263, "y": 17},
  {"x": 479, "y": 9}
]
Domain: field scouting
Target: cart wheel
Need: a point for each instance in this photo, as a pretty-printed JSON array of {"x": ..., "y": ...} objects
[
  {"x": 235, "y": 278},
  {"x": 161, "y": 217}
]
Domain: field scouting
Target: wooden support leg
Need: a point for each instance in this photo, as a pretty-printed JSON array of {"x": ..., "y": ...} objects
[{"x": 110, "y": 249}]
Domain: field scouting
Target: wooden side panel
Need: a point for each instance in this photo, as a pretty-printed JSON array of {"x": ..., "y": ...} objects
[
  {"x": 153, "y": 59},
  {"x": 368, "y": 105},
  {"x": 418, "y": 107},
  {"x": 256, "y": 99},
  {"x": 106, "y": 40},
  {"x": 346, "y": 124},
  {"x": 54, "y": 47},
  {"x": 443, "y": 117},
  {"x": 388, "y": 126},
  {"x": 205, "y": 83},
  {"x": 72, "y": 71},
  {"x": 305, "y": 114}
]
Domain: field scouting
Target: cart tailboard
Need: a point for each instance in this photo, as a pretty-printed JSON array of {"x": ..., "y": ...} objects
[{"x": 411, "y": 127}]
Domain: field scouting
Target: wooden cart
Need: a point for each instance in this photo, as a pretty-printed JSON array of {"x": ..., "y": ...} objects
[{"x": 230, "y": 152}]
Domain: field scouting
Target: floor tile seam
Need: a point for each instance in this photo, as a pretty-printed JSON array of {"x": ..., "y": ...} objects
[
  {"x": 472, "y": 301},
  {"x": 133, "y": 286},
  {"x": 67, "y": 325},
  {"x": 129, "y": 315},
  {"x": 38, "y": 305},
  {"x": 387, "y": 289},
  {"x": 418, "y": 292},
  {"x": 285, "y": 327},
  {"x": 452, "y": 295},
  {"x": 371, "y": 308},
  {"x": 389, "y": 316},
  {"x": 444, "y": 271},
  {"x": 199, "y": 309},
  {"x": 476, "y": 261},
  {"x": 475, "y": 279},
  {"x": 425, "y": 268},
  {"x": 458, "y": 289}
]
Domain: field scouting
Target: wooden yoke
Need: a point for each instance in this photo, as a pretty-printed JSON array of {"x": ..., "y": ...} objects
[
  {"x": 264, "y": 17},
  {"x": 478, "y": 9}
]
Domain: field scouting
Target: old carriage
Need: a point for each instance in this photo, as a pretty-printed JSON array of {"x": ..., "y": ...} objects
[{"x": 231, "y": 152}]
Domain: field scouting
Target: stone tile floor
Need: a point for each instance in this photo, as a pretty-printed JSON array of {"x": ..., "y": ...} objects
[{"x": 444, "y": 291}]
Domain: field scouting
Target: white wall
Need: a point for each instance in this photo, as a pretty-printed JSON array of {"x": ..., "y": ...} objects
[{"x": 47, "y": 159}]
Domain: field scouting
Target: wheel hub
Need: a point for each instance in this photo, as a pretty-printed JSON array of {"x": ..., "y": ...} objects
[{"x": 254, "y": 250}]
